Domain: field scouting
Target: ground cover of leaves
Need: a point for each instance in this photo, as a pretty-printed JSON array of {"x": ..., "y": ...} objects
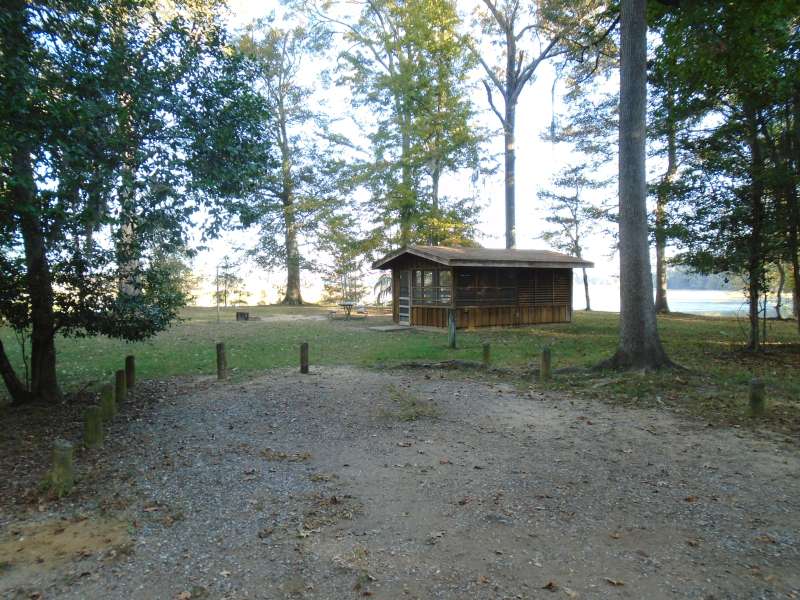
[{"x": 350, "y": 483}]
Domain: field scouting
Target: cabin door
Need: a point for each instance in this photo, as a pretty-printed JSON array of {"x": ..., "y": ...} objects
[{"x": 404, "y": 298}]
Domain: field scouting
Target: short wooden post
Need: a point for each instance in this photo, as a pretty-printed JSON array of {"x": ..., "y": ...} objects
[
  {"x": 487, "y": 355},
  {"x": 544, "y": 367},
  {"x": 108, "y": 404},
  {"x": 757, "y": 399},
  {"x": 120, "y": 387},
  {"x": 451, "y": 328},
  {"x": 130, "y": 371},
  {"x": 62, "y": 475},
  {"x": 222, "y": 362},
  {"x": 304, "y": 358},
  {"x": 92, "y": 427}
]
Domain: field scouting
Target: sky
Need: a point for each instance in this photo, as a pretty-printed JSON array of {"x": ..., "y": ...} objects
[{"x": 537, "y": 162}]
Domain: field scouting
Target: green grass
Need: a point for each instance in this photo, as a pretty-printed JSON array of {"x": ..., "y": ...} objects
[{"x": 714, "y": 386}]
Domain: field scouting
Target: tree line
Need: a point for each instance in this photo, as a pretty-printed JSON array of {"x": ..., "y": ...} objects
[{"x": 128, "y": 124}]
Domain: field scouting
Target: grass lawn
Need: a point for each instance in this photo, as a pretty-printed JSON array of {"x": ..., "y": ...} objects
[{"x": 714, "y": 385}]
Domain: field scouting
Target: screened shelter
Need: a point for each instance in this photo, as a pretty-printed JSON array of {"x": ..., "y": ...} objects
[{"x": 484, "y": 286}]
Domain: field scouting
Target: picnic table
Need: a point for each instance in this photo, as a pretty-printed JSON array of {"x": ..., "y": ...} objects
[{"x": 348, "y": 308}]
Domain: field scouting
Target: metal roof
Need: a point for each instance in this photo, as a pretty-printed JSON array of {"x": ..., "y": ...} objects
[{"x": 486, "y": 257}]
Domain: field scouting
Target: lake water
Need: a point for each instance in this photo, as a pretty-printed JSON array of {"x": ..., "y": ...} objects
[{"x": 700, "y": 302}]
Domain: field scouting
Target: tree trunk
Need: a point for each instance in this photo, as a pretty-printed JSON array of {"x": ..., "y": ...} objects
[
  {"x": 661, "y": 214},
  {"x": 794, "y": 248},
  {"x": 661, "y": 304},
  {"x": 781, "y": 283},
  {"x": 292, "y": 295},
  {"x": 435, "y": 237},
  {"x": 510, "y": 158},
  {"x": 44, "y": 384},
  {"x": 16, "y": 388},
  {"x": 292, "y": 259},
  {"x": 754, "y": 266},
  {"x": 639, "y": 344},
  {"x": 794, "y": 210},
  {"x": 586, "y": 290},
  {"x": 407, "y": 200}
]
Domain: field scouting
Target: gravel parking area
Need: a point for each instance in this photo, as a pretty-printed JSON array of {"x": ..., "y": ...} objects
[{"x": 350, "y": 483}]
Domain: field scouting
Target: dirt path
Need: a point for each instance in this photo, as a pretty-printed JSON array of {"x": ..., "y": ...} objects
[{"x": 316, "y": 487}]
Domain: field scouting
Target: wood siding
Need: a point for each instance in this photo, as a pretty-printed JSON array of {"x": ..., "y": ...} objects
[
  {"x": 494, "y": 297},
  {"x": 492, "y": 316}
]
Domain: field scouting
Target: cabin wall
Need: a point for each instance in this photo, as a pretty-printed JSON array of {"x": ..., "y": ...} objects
[
  {"x": 494, "y": 316},
  {"x": 497, "y": 297}
]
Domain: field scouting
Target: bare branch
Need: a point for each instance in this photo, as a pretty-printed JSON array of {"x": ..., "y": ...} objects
[
  {"x": 498, "y": 16},
  {"x": 489, "y": 71},
  {"x": 491, "y": 103}
]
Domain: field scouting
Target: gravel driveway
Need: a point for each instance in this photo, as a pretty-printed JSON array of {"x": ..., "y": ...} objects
[{"x": 349, "y": 483}]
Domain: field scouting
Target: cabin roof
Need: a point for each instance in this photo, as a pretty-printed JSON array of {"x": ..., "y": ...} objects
[{"x": 486, "y": 257}]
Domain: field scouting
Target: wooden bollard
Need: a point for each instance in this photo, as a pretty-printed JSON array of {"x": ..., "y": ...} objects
[
  {"x": 304, "y": 358},
  {"x": 222, "y": 362},
  {"x": 130, "y": 371},
  {"x": 62, "y": 475},
  {"x": 93, "y": 427},
  {"x": 120, "y": 387},
  {"x": 108, "y": 404},
  {"x": 758, "y": 403},
  {"x": 487, "y": 355},
  {"x": 544, "y": 366},
  {"x": 451, "y": 328}
]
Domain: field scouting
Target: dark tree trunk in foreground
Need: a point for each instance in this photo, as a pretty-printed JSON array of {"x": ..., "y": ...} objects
[
  {"x": 639, "y": 344},
  {"x": 16, "y": 388},
  {"x": 16, "y": 49},
  {"x": 44, "y": 384}
]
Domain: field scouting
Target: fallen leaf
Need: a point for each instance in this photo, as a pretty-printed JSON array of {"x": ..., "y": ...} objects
[
  {"x": 765, "y": 539},
  {"x": 483, "y": 579}
]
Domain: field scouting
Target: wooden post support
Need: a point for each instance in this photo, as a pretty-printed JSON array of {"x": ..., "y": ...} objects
[
  {"x": 487, "y": 355},
  {"x": 222, "y": 362},
  {"x": 108, "y": 404},
  {"x": 304, "y": 358},
  {"x": 758, "y": 402},
  {"x": 120, "y": 387},
  {"x": 62, "y": 475},
  {"x": 130, "y": 371},
  {"x": 451, "y": 328},
  {"x": 93, "y": 427},
  {"x": 544, "y": 367}
]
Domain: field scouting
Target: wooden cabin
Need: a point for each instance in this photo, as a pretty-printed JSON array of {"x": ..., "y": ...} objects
[{"x": 484, "y": 286}]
